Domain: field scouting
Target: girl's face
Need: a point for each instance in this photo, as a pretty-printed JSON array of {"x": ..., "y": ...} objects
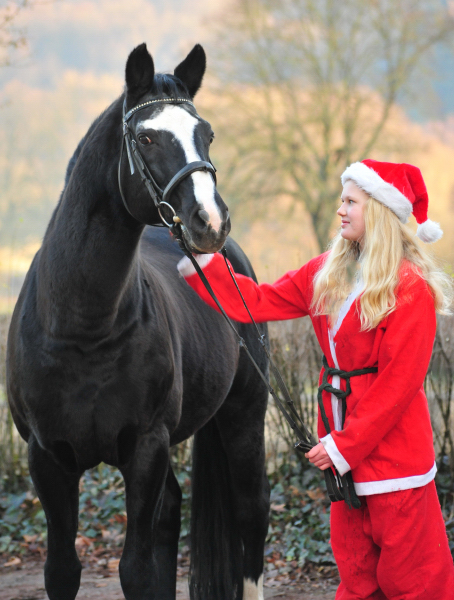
[{"x": 351, "y": 212}]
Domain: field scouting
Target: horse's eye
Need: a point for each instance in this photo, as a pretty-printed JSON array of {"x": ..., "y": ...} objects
[
  {"x": 144, "y": 139},
  {"x": 212, "y": 138}
]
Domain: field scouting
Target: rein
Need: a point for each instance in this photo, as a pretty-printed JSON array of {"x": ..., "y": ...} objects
[{"x": 338, "y": 487}]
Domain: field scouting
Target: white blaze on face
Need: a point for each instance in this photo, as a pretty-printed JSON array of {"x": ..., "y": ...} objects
[
  {"x": 181, "y": 125},
  {"x": 252, "y": 590}
]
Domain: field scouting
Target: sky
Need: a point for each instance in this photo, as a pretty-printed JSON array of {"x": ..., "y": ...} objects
[{"x": 97, "y": 35}]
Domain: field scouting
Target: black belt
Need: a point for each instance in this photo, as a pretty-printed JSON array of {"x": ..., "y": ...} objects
[{"x": 345, "y": 489}]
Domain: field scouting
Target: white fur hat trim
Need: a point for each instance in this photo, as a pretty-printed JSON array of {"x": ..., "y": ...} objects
[
  {"x": 371, "y": 182},
  {"x": 429, "y": 231}
]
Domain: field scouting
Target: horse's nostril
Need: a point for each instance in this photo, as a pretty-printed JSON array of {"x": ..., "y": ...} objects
[{"x": 204, "y": 215}]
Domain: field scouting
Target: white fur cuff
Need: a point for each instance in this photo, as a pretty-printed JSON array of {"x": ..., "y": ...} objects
[
  {"x": 333, "y": 452},
  {"x": 429, "y": 231},
  {"x": 186, "y": 268}
]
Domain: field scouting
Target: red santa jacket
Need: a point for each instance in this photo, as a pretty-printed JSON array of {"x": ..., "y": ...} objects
[{"x": 387, "y": 439}]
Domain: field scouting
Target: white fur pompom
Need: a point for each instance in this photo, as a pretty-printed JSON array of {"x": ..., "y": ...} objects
[
  {"x": 186, "y": 267},
  {"x": 429, "y": 231}
]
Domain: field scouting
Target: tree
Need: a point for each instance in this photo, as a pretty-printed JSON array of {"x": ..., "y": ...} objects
[
  {"x": 309, "y": 86},
  {"x": 11, "y": 37}
]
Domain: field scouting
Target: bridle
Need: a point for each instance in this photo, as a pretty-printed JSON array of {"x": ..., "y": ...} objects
[{"x": 136, "y": 161}]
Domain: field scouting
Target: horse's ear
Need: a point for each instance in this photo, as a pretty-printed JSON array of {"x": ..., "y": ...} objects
[
  {"x": 192, "y": 69},
  {"x": 139, "y": 72}
]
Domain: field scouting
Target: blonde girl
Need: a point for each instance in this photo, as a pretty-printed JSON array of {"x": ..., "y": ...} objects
[{"x": 372, "y": 300}]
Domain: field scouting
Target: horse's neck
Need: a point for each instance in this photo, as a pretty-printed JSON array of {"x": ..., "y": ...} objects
[{"x": 88, "y": 265}]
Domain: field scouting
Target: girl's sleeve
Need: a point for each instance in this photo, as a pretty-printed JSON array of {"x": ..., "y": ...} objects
[
  {"x": 287, "y": 298},
  {"x": 403, "y": 360}
]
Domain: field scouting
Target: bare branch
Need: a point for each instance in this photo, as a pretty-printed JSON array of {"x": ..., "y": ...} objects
[{"x": 319, "y": 83}]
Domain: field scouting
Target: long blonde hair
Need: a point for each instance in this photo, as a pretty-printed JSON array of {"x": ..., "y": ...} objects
[{"x": 387, "y": 242}]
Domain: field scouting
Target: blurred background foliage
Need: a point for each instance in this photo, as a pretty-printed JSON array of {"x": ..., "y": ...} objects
[{"x": 295, "y": 91}]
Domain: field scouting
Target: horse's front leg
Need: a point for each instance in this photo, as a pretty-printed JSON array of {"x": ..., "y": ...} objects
[
  {"x": 167, "y": 537},
  {"x": 145, "y": 477},
  {"x": 58, "y": 491}
]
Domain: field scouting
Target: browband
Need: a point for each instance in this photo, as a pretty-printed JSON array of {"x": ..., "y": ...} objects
[{"x": 129, "y": 114}]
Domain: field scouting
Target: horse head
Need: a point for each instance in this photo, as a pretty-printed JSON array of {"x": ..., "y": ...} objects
[{"x": 170, "y": 175}]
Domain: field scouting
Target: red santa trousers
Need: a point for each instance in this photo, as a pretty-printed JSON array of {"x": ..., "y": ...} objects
[{"x": 393, "y": 548}]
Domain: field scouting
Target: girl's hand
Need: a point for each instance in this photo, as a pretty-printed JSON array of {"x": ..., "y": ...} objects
[{"x": 319, "y": 457}]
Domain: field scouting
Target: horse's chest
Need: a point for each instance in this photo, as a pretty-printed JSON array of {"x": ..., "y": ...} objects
[
  {"x": 89, "y": 398},
  {"x": 69, "y": 379}
]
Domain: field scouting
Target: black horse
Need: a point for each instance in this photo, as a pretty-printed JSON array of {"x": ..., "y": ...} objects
[{"x": 112, "y": 357}]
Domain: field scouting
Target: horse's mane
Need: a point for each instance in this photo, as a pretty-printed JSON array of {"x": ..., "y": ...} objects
[{"x": 78, "y": 150}]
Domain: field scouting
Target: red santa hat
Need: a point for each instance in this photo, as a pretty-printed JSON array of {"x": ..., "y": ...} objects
[{"x": 400, "y": 187}]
